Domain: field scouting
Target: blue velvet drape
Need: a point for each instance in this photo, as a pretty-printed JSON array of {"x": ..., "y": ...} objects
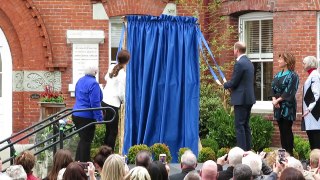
[{"x": 162, "y": 90}]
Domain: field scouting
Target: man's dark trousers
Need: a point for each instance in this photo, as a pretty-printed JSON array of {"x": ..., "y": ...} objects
[{"x": 243, "y": 132}]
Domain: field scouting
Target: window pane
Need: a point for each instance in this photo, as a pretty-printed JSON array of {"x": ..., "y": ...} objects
[
  {"x": 252, "y": 36},
  {"x": 114, "y": 51},
  {"x": 266, "y": 36},
  {"x": 116, "y": 29},
  {"x": 257, "y": 80},
  {"x": 267, "y": 78}
]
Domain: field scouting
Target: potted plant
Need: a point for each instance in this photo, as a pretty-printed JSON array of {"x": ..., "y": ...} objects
[{"x": 51, "y": 102}]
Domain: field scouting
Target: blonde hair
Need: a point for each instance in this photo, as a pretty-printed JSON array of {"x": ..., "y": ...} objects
[
  {"x": 314, "y": 158},
  {"x": 113, "y": 168},
  {"x": 138, "y": 173},
  {"x": 271, "y": 158}
]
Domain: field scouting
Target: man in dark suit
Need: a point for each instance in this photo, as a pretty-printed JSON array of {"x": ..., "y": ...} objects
[{"x": 242, "y": 95}]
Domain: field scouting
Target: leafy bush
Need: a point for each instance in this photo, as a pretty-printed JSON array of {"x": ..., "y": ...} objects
[
  {"x": 158, "y": 149},
  {"x": 211, "y": 97},
  {"x": 211, "y": 143},
  {"x": 261, "y": 130},
  {"x": 302, "y": 147},
  {"x": 221, "y": 152},
  {"x": 181, "y": 151},
  {"x": 133, "y": 151},
  {"x": 206, "y": 154},
  {"x": 221, "y": 128}
]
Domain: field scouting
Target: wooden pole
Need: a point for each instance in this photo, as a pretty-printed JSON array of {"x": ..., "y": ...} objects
[{"x": 122, "y": 107}]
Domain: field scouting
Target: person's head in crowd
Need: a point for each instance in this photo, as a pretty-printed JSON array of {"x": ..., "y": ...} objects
[
  {"x": 143, "y": 158},
  {"x": 295, "y": 163},
  {"x": 123, "y": 59},
  {"x": 209, "y": 170},
  {"x": 75, "y": 171},
  {"x": 27, "y": 160},
  {"x": 310, "y": 62},
  {"x": 289, "y": 59},
  {"x": 314, "y": 158},
  {"x": 291, "y": 173},
  {"x": 235, "y": 156},
  {"x": 99, "y": 159},
  {"x": 138, "y": 173},
  {"x": 254, "y": 162},
  {"x": 113, "y": 168},
  {"x": 61, "y": 159},
  {"x": 157, "y": 171},
  {"x": 16, "y": 172},
  {"x": 271, "y": 158},
  {"x": 192, "y": 175},
  {"x": 188, "y": 160},
  {"x": 242, "y": 172}
]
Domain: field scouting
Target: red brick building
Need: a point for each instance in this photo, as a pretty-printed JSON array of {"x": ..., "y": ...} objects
[
  {"x": 35, "y": 48},
  {"x": 270, "y": 27}
]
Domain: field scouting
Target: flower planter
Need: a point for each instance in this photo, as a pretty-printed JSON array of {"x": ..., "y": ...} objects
[{"x": 49, "y": 108}]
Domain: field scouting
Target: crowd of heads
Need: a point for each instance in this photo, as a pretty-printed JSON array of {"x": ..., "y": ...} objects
[{"x": 244, "y": 165}]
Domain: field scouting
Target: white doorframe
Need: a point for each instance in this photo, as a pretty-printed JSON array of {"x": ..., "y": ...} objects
[{"x": 6, "y": 99}]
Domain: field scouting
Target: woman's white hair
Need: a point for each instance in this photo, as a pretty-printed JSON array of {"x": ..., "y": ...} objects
[
  {"x": 91, "y": 70},
  {"x": 235, "y": 156},
  {"x": 311, "y": 62},
  {"x": 254, "y": 162}
]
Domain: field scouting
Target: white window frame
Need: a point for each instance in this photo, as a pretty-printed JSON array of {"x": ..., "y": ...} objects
[
  {"x": 260, "y": 106},
  {"x": 113, "y": 20}
]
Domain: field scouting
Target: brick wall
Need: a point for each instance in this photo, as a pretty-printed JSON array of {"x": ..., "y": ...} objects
[
  {"x": 295, "y": 31},
  {"x": 36, "y": 31}
]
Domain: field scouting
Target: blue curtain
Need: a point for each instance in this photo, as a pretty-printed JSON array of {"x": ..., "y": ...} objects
[{"x": 162, "y": 90}]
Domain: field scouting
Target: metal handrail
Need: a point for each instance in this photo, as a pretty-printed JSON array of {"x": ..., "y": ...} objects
[{"x": 57, "y": 117}]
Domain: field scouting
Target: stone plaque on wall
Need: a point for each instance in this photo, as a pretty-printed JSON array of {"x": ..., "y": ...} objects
[{"x": 84, "y": 55}]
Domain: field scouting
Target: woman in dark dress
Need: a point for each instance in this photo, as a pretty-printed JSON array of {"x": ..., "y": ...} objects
[{"x": 284, "y": 87}]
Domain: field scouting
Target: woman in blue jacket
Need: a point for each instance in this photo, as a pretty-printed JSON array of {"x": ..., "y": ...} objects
[{"x": 88, "y": 94}]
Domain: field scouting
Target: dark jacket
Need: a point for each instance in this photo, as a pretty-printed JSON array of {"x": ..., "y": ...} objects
[
  {"x": 241, "y": 83},
  {"x": 180, "y": 176},
  {"x": 224, "y": 174}
]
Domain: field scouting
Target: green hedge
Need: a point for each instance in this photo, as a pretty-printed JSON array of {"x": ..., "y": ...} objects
[
  {"x": 206, "y": 154},
  {"x": 261, "y": 130},
  {"x": 221, "y": 129},
  {"x": 302, "y": 147},
  {"x": 158, "y": 149},
  {"x": 133, "y": 151}
]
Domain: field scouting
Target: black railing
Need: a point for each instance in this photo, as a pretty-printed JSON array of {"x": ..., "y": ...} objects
[{"x": 60, "y": 135}]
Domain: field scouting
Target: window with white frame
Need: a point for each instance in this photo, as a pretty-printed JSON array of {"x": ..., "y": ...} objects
[
  {"x": 115, "y": 28},
  {"x": 256, "y": 30}
]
